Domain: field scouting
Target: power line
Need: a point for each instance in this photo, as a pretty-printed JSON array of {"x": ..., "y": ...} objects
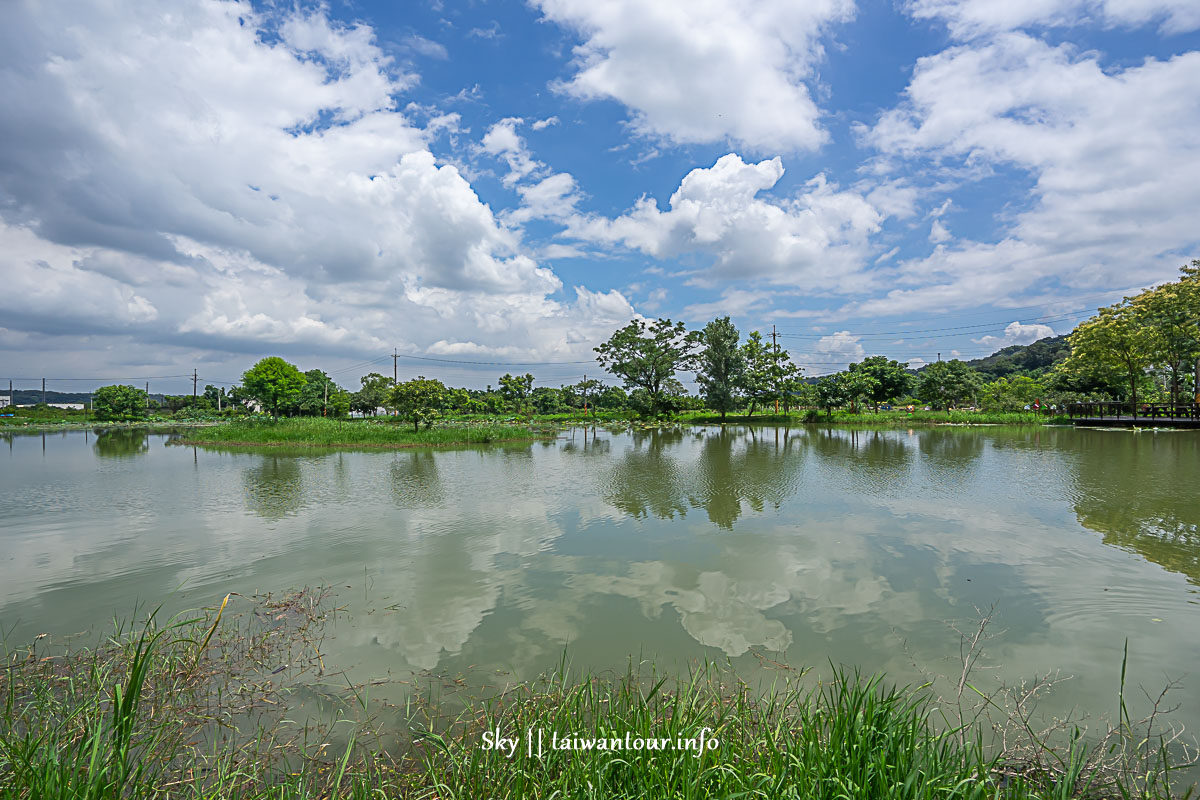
[
  {"x": 495, "y": 363},
  {"x": 142, "y": 378},
  {"x": 982, "y": 327},
  {"x": 1014, "y": 308}
]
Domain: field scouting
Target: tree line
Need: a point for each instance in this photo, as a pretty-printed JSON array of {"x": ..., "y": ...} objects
[{"x": 1145, "y": 348}]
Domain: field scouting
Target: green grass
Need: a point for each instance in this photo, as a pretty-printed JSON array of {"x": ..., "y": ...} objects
[
  {"x": 320, "y": 432},
  {"x": 197, "y": 708}
]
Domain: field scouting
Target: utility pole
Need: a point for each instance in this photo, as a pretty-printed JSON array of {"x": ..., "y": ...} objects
[
  {"x": 585, "y": 394},
  {"x": 195, "y": 378},
  {"x": 325, "y": 402},
  {"x": 939, "y": 356},
  {"x": 43, "y": 391},
  {"x": 147, "y": 395},
  {"x": 395, "y": 373}
]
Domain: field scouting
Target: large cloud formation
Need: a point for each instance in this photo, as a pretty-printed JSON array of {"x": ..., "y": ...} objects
[
  {"x": 216, "y": 176},
  {"x": 1112, "y": 153},
  {"x": 818, "y": 237},
  {"x": 721, "y": 69}
]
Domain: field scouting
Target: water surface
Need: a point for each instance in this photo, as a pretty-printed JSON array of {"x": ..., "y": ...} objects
[{"x": 807, "y": 545}]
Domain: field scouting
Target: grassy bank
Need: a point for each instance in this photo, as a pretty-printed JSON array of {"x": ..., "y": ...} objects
[
  {"x": 199, "y": 708},
  {"x": 320, "y": 432}
]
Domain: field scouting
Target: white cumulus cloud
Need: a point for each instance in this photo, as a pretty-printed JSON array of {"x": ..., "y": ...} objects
[
  {"x": 1016, "y": 333},
  {"x": 819, "y": 236},
  {"x": 704, "y": 70},
  {"x": 1113, "y": 154}
]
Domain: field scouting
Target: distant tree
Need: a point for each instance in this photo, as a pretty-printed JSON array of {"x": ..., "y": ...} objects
[
  {"x": 372, "y": 396},
  {"x": 672, "y": 399},
  {"x": 515, "y": 389},
  {"x": 548, "y": 400},
  {"x": 458, "y": 401},
  {"x": 859, "y": 385},
  {"x": 584, "y": 393},
  {"x": 800, "y": 393},
  {"x": 831, "y": 392},
  {"x": 758, "y": 375},
  {"x": 420, "y": 400},
  {"x": 646, "y": 357},
  {"x": 891, "y": 379},
  {"x": 769, "y": 375},
  {"x": 119, "y": 403},
  {"x": 1012, "y": 393},
  {"x": 943, "y": 384},
  {"x": 721, "y": 366},
  {"x": 320, "y": 397},
  {"x": 612, "y": 398},
  {"x": 274, "y": 383},
  {"x": 214, "y": 397}
]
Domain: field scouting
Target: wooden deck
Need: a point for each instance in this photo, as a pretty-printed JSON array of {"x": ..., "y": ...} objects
[
  {"x": 1134, "y": 422},
  {"x": 1148, "y": 415}
]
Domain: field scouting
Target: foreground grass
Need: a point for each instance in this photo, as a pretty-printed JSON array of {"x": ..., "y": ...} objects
[
  {"x": 197, "y": 708},
  {"x": 320, "y": 432}
]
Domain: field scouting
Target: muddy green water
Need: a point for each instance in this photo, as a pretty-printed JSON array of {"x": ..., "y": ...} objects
[{"x": 807, "y": 545}]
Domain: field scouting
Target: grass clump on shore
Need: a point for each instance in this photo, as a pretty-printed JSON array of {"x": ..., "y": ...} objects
[
  {"x": 199, "y": 708},
  {"x": 321, "y": 432}
]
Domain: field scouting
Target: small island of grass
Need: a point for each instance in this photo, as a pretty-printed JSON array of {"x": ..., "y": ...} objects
[{"x": 321, "y": 432}]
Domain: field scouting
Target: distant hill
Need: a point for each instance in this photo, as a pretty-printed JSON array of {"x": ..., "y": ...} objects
[
  {"x": 1018, "y": 359},
  {"x": 1024, "y": 359},
  {"x": 31, "y": 396}
]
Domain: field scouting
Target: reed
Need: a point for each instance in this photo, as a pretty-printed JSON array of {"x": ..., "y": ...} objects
[{"x": 163, "y": 711}]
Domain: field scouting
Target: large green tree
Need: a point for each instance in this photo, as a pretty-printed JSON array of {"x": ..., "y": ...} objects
[
  {"x": 831, "y": 392},
  {"x": 891, "y": 379},
  {"x": 859, "y": 386},
  {"x": 516, "y": 390},
  {"x": 943, "y": 384},
  {"x": 119, "y": 403},
  {"x": 721, "y": 366},
  {"x": 1171, "y": 313},
  {"x": 1117, "y": 338},
  {"x": 274, "y": 383},
  {"x": 646, "y": 357},
  {"x": 420, "y": 400}
]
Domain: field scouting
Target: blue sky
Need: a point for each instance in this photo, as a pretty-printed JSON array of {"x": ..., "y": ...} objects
[{"x": 200, "y": 185}]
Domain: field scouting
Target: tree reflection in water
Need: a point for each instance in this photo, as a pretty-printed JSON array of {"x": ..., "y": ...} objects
[
  {"x": 274, "y": 487},
  {"x": 121, "y": 443},
  {"x": 1138, "y": 490},
  {"x": 734, "y": 467},
  {"x": 415, "y": 481}
]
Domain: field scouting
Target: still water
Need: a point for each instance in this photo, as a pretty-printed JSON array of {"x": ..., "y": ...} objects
[{"x": 807, "y": 545}]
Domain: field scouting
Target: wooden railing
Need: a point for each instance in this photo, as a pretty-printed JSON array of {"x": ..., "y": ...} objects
[{"x": 1124, "y": 410}]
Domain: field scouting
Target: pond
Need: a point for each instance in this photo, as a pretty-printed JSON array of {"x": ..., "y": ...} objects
[{"x": 806, "y": 545}]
